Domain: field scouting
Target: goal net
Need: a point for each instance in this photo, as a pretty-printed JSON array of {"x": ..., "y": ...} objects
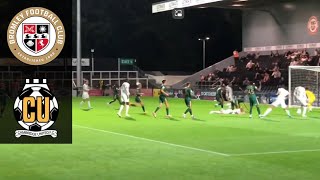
[{"x": 305, "y": 76}]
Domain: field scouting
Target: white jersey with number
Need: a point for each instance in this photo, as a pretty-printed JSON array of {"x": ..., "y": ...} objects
[
  {"x": 282, "y": 94},
  {"x": 85, "y": 93},
  {"x": 229, "y": 93},
  {"x": 300, "y": 95},
  {"x": 125, "y": 93},
  {"x": 300, "y": 92}
]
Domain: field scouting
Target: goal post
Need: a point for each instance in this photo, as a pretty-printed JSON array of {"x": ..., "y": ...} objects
[{"x": 305, "y": 76}]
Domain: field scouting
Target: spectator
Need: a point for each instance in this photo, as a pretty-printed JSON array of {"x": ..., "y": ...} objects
[
  {"x": 257, "y": 55},
  {"x": 272, "y": 54},
  {"x": 202, "y": 78},
  {"x": 250, "y": 65},
  {"x": 276, "y": 74},
  {"x": 236, "y": 57},
  {"x": 257, "y": 66},
  {"x": 266, "y": 78},
  {"x": 277, "y": 54},
  {"x": 246, "y": 82},
  {"x": 294, "y": 63}
]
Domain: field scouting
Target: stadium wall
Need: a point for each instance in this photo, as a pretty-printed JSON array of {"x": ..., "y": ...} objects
[{"x": 280, "y": 25}]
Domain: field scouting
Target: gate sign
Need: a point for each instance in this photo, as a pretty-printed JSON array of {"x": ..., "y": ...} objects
[{"x": 127, "y": 61}]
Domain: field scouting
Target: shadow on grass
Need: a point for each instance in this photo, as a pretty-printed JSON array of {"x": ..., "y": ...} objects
[
  {"x": 269, "y": 120},
  {"x": 196, "y": 119},
  {"x": 130, "y": 119},
  {"x": 86, "y": 109},
  {"x": 172, "y": 119}
]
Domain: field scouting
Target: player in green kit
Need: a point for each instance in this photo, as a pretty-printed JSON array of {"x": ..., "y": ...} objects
[
  {"x": 138, "y": 96},
  {"x": 162, "y": 99},
  {"x": 188, "y": 93},
  {"x": 116, "y": 96},
  {"x": 219, "y": 95},
  {"x": 252, "y": 97}
]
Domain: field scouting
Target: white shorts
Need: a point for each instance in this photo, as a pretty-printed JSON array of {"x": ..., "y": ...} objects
[
  {"x": 280, "y": 102},
  {"x": 85, "y": 95},
  {"x": 303, "y": 101},
  {"x": 124, "y": 98}
]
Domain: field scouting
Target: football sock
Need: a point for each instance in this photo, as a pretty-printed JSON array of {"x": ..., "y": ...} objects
[
  {"x": 89, "y": 104},
  {"x": 167, "y": 109},
  {"x": 267, "y": 111},
  {"x": 81, "y": 103},
  {"x": 120, "y": 110},
  {"x": 304, "y": 111},
  {"x": 288, "y": 112},
  {"x": 258, "y": 109},
  {"x": 190, "y": 110},
  {"x": 157, "y": 110},
  {"x": 251, "y": 109},
  {"x": 144, "y": 110},
  {"x": 127, "y": 109},
  {"x": 112, "y": 101},
  {"x": 186, "y": 111}
]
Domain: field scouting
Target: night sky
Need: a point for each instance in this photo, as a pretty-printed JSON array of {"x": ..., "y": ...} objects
[{"x": 127, "y": 28}]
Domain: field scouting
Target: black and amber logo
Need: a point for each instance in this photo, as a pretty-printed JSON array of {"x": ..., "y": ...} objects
[
  {"x": 36, "y": 36},
  {"x": 36, "y": 109}
]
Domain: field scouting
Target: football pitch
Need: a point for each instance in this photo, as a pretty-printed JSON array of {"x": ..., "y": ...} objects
[{"x": 143, "y": 147}]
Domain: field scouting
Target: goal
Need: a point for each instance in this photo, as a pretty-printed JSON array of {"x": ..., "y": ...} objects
[{"x": 305, "y": 76}]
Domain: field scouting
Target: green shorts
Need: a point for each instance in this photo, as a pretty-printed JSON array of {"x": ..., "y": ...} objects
[
  {"x": 138, "y": 99},
  {"x": 187, "y": 101},
  {"x": 253, "y": 100},
  {"x": 219, "y": 99},
  {"x": 162, "y": 99}
]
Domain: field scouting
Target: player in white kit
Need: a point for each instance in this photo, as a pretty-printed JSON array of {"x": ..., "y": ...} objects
[
  {"x": 282, "y": 95},
  {"x": 124, "y": 93},
  {"x": 301, "y": 96},
  {"x": 230, "y": 97},
  {"x": 85, "y": 94}
]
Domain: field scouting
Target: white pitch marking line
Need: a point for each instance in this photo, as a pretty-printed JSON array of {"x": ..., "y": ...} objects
[
  {"x": 150, "y": 140},
  {"x": 276, "y": 152}
]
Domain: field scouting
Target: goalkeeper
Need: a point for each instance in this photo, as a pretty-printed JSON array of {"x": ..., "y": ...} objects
[{"x": 311, "y": 98}]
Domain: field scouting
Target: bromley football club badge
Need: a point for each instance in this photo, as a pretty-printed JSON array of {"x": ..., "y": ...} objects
[
  {"x": 36, "y": 109},
  {"x": 36, "y": 36}
]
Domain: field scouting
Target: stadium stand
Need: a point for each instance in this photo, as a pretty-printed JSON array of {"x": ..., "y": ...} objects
[{"x": 271, "y": 70}]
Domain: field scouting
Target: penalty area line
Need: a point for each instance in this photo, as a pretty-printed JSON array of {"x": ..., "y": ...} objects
[
  {"x": 275, "y": 152},
  {"x": 154, "y": 141}
]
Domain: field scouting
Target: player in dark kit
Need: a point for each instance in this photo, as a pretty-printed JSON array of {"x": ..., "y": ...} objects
[
  {"x": 253, "y": 98},
  {"x": 219, "y": 95},
  {"x": 116, "y": 96},
  {"x": 162, "y": 99},
  {"x": 138, "y": 96},
  {"x": 188, "y": 93}
]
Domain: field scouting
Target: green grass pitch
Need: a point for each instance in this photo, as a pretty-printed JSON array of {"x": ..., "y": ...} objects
[{"x": 213, "y": 147}]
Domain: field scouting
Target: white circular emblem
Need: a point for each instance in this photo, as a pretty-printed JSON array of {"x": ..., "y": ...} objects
[{"x": 313, "y": 25}]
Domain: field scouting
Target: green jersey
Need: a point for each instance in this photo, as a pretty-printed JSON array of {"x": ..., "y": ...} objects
[
  {"x": 187, "y": 93},
  {"x": 163, "y": 88},
  {"x": 138, "y": 92},
  {"x": 251, "y": 89},
  {"x": 115, "y": 90},
  {"x": 219, "y": 92}
]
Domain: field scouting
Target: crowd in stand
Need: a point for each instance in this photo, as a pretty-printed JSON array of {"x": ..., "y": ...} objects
[{"x": 270, "y": 70}]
